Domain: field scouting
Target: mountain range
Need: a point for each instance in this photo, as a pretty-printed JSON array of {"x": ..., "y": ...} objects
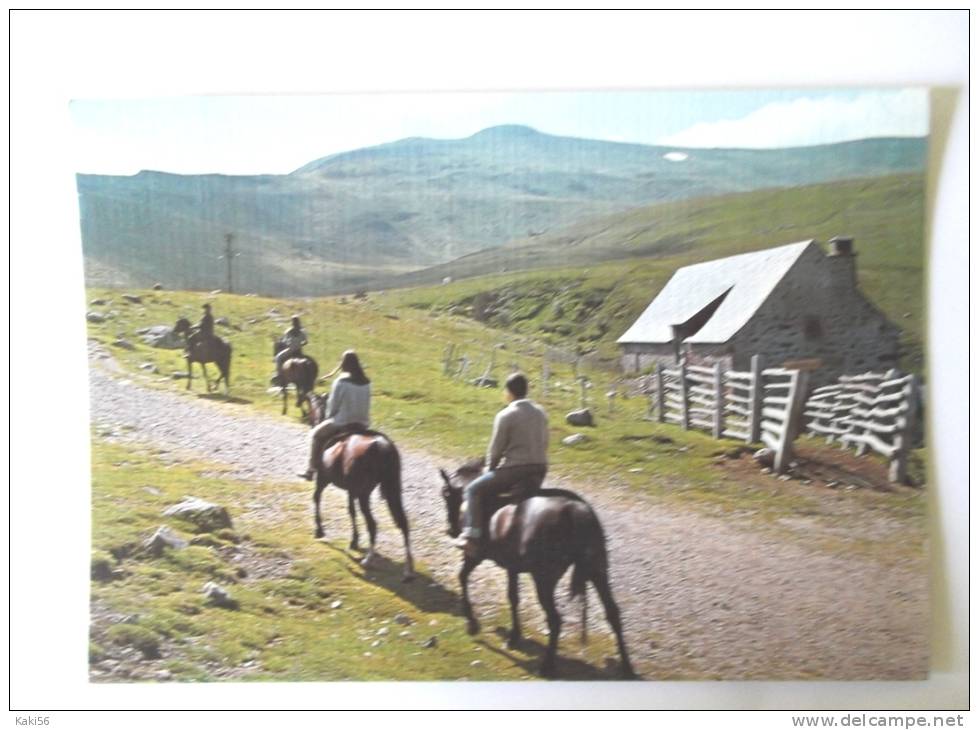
[{"x": 356, "y": 219}]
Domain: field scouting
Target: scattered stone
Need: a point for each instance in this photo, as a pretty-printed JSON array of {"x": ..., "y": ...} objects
[
  {"x": 158, "y": 286},
  {"x": 151, "y": 490},
  {"x": 574, "y": 439},
  {"x": 178, "y": 375},
  {"x": 95, "y": 317},
  {"x": 132, "y": 298},
  {"x": 215, "y": 292},
  {"x": 637, "y": 470},
  {"x": 376, "y": 643},
  {"x": 485, "y": 382},
  {"x": 784, "y": 477},
  {"x": 832, "y": 485},
  {"x": 161, "y": 336},
  {"x": 383, "y": 631},
  {"x": 682, "y": 449},
  {"x": 431, "y": 642},
  {"x": 164, "y": 675},
  {"x": 149, "y": 367},
  {"x": 403, "y": 620},
  {"x": 98, "y": 302},
  {"x": 102, "y": 568},
  {"x": 223, "y": 321},
  {"x": 124, "y": 344},
  {"x": 219, "y": 596},
  {"x": 765, "y": 457},
  {"x": 661, "y": 439},
  {"x": 336, "y": 604},
  {"x": 476, "y": 663},
  {"x": 206, "y": 516},
  {"x": 582, "y": 417},
  {"x": 405, "y": 633},
  {"x": 162, "y": 539}
]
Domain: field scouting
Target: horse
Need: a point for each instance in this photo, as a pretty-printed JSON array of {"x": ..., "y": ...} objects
[
  {"x": 301, "y": 371},
  {"x": 356, "y": 460},
  {"x": 198, "y": 349},
  {"x": 542, "y": 533}
]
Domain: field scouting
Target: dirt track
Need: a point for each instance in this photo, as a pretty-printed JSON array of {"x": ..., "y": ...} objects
[{"x": 701, "y": 597}]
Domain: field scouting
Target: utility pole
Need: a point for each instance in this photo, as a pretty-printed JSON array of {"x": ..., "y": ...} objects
[{"x": 229, "y": 254}]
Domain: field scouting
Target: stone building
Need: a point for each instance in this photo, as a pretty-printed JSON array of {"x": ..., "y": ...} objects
[{"x": 788, "y": 304}]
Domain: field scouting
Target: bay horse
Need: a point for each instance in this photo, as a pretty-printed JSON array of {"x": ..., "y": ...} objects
[
  {"x": 301, "y": 371},
  {"x": 197, "y": 349},
  {"x": 356, "y": 460},
  {"x": 543, "y": 533}
]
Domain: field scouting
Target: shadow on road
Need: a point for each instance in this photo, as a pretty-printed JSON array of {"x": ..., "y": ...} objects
[{"x": 225, "y": 398}]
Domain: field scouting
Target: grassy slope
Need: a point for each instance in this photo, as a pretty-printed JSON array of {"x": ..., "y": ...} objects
[
  {"x": 285, "y": 628},
  {"x": 582, "y": 287}
]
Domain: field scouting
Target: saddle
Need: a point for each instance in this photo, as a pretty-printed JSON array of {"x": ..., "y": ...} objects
[{"x": 349, "y": 429}]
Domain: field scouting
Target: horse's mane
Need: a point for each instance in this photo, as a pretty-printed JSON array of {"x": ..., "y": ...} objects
[{"x": 473, "y": 466}]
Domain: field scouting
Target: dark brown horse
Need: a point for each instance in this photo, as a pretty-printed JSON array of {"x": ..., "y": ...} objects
[
  {"x": 357, "y": 460},
  {"x": 543, "y": 534},
  {"x": 204, "y": 350},
  {"x": 301, "y": 372}
]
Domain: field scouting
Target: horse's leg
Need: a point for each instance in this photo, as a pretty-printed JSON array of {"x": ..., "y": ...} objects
[
  {"x": 207, "y": 378},
  {"x": 392, "y": 495},
  {"x": 545, "y": 584},
  {"x": 320, "y": 486},
  {"x": 190, "y": 371},
  {"x": 355, "y": 539},
  {"x": 285, "y": 398},
  {"x": 513, "y": 593},
  {"x": 600, "y": 581},
  {"x": 364, "y": 499},
  {"x": 468, "y": 565}
]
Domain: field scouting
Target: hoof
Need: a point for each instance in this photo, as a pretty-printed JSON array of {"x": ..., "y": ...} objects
[
  {"x": 513, "y": 642},
  {"x": 354, "y": 545},
  {"x": 317, "y": 533},
  {"x": 407, "y": 577},
  {"x": 547, "y": 671},
  {"x": 472, "y": 627},
  {"x": 368, "y": 561}
]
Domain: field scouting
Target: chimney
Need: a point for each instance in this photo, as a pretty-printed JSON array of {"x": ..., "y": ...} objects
[{"x": 842, "y": 261}]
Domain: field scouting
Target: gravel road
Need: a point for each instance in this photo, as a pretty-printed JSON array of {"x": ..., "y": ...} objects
[{"x": 701, "y": 597}]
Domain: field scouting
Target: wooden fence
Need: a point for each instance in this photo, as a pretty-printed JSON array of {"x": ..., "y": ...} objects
[
  {"x": 873, "y": 410},
  {"x": 750, "y": 406}
]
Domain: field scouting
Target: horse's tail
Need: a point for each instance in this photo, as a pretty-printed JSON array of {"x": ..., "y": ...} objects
[
  {"x": 591, "y": 559},
  {"x": 225, "y": 364},
  {"x": 390, "y": 478}
]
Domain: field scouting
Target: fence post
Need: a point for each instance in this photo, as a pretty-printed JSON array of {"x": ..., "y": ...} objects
[
  {"x": 798, "y": 384},
  {"x": 684, "y": 405},
  {"x": 660, "y": 411},
  {"x": 718, "y": 400},
  {"x": 447, "y": 362},
  {"x": 754, "y": 408},
  {"x": 898, "y": 471},
  {"x": 463, "y": 368}
]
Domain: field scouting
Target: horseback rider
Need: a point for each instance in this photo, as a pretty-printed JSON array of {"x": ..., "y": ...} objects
[
  {"x": 204, "y": 330},
  {"x": 349, "y": 404},
  {"x": 517, "y": 454},
  {"x": 292, "y": 346}
]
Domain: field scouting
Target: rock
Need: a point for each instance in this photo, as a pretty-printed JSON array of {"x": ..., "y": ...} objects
[
  {"x": 336, "y": 604},
  {"x": 403, "y": 620},
  {"x": 784, "y": 477},
  {"x": 383, "y": 631},
  {"x": 223, "y": 321},
  {"x": 132, "y": 298},
  {"x": 637, "y": 470},
  {"x": 163, "y": 675},
  {"x": 149, "y": 367},
  {"x": 158, "y": 286},
  {"x": 161, "y": 336},
  {"x": 162, "y": 539},
  {"x": 95, "y": 317},
  {"x": 206, "y": 516},
  {"x": 582, "y": 417},
  {"x": 485, "y": 382},
  {"x": 178, "y": 374},
  {"x": 98, "y": 302},
  {"x": 219, "y": 596},
  {"x": 574, "y": 439},
  {"x": 431, "y": 642},
  {"x": 476, "y": 663},
  {"x": 661, "y": 439},
  {"x": 765, "y": 457},
  {"x": 124, "y": 344}
]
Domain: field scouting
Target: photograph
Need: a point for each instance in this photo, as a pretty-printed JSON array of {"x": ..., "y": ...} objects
[{"x": 507, "y": 386}]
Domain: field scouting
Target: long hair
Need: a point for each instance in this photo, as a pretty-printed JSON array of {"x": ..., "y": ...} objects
[{"x": 351, "y": 364}]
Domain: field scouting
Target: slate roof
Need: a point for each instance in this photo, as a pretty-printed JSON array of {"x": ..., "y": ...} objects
[{"x": 748, "y": 278}]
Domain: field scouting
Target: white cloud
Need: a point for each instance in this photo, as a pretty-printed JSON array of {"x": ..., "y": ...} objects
[{"x": 814, "y": 120}]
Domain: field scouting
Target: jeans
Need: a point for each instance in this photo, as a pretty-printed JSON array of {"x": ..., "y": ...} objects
[
  {"x": 281, "y": 356},
  {"x": 492, "y": 483}
]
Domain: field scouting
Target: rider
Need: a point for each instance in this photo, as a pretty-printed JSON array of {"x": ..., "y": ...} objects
[
  {"x": 205, "y": 328},
  {"x": 292, "y": 342},
  {"x": 349, "y": 403},
  {"x": 517, "y": 453}
]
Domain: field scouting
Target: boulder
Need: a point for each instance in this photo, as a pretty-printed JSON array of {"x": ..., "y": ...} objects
[
  {"x": 219, "y": 595},
  {"x": 149, "y": 367},
  {"x": 206, "y": 516},
  {"x": 223, "y": 321},
  {"x": 161, "y": 336},
  {"x": 132, "y": 298},
  {"x": 95, "y": 317},
  {"x": 765, "y": 457},
  {"x": 485, "y": 382},
  {"x": 574, "y": 439},
  {"x": 580, "y": 417},
  {"x": 162, "y": 539},
  {"x": 124, "y": 344},
  {"x": 98, "y": 302}
]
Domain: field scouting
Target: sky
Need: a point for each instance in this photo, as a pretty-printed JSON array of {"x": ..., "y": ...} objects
[{"x": 278, "y": 134}]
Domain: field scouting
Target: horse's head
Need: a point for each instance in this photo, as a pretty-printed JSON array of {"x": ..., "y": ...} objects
[
  {"x": 317, "y": 408},
  {"x": 452, "y": 491},
  {"x": 182, "y": 327}
]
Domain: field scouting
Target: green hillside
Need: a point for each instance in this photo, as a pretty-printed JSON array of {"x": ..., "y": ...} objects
[
  {"x": 337, "y": 223},
  {"x": 587, "y": 284}
]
